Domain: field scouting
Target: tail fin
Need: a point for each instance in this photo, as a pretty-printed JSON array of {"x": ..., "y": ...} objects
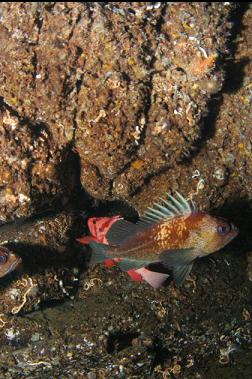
[{"x": 99, "y": 252}]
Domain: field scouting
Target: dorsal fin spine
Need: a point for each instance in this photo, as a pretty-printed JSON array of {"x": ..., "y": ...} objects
[
  {"x": 168, "y": 208},
  {"x": 145, "y": 221},
  {"x": 184, "y": 201},
  {"x": 146, "y": 218},
  {"x": 152, "y": 215},
  {"x": 171, "y": 212},
  {"x": 174, "y": 209},
  {"x": 155, "y": 218},
  {"x": 194, "y": 208},
  {"x": 179, "y": 206},
  {"x": 155, "y": 211},
  {"x": 163, "y": 209}
]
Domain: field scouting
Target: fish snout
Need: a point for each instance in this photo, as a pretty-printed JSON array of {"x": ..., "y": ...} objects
[{"x": 234, "y": 229}]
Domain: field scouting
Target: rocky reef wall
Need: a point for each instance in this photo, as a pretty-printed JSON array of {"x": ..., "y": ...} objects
[{"x": 123, "y": 101}]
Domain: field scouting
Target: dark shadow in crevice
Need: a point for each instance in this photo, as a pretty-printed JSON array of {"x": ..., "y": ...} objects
[
  {"x": 37, "y": 257},
  {"x": 119, "y": 341},
  {"x": 52, "y": 303},
  {"x": 113, "y": 208},
  {"x": 161, "y": 355},
  {"x": 239, "y": 212},
  {"x": 235, "y": 69}
]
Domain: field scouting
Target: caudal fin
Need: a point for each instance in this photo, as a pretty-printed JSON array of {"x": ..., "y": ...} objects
[{"x": 99, "y": 252}]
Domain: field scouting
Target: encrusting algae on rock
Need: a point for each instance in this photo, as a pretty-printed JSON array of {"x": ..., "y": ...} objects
[{"x": 173, "y": 233}]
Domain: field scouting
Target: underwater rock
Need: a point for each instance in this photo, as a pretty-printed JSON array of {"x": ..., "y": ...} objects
[
  {"x": 122, "y": 82},
  {"x": 34, "y": 170},
  {"x": 51, "y": 262}
]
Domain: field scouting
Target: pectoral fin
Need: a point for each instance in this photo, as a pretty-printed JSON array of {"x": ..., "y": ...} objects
[
  {"x": 180, "y": 261},
  {"x": 178, "y": 257}
]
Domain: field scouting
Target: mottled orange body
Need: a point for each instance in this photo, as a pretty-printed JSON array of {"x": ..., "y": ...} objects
[
  {"x": 197, "y": 231},
  {"x": 171, "y": 234}
]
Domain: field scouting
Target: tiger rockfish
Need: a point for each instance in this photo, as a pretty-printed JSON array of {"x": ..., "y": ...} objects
[{"x": 173, "y": 233}]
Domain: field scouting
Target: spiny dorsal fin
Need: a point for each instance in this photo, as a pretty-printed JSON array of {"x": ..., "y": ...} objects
[
  {"x": 121, "y": 230},
  {"x": 168, "y": 208}
]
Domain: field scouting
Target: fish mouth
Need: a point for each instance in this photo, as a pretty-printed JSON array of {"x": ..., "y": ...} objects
[
  {"x": 235, "y": 228},
  {"x": 233, "y": 233}
]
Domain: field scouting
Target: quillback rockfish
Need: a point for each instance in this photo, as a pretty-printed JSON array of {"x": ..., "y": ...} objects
[{"x": 173, "y": 233}]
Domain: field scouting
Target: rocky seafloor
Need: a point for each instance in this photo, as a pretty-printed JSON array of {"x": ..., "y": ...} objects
[{"x": 104, "y": 107}]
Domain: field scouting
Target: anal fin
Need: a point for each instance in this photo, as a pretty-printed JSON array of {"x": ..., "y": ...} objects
[{"x": 155, "y": 279}]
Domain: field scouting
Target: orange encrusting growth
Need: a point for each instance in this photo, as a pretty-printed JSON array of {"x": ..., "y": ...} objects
[{"x": 201, "y": 66}]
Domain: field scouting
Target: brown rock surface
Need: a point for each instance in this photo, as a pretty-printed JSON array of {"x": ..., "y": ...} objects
[
  {"x": 127, "y": 84},
  {"x": 150, "y": 97}
]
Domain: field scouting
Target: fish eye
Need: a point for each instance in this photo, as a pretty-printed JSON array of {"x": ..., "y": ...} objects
[
  {"x": 224, "y": 229},
  {"x": 3, "y": 259}
]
